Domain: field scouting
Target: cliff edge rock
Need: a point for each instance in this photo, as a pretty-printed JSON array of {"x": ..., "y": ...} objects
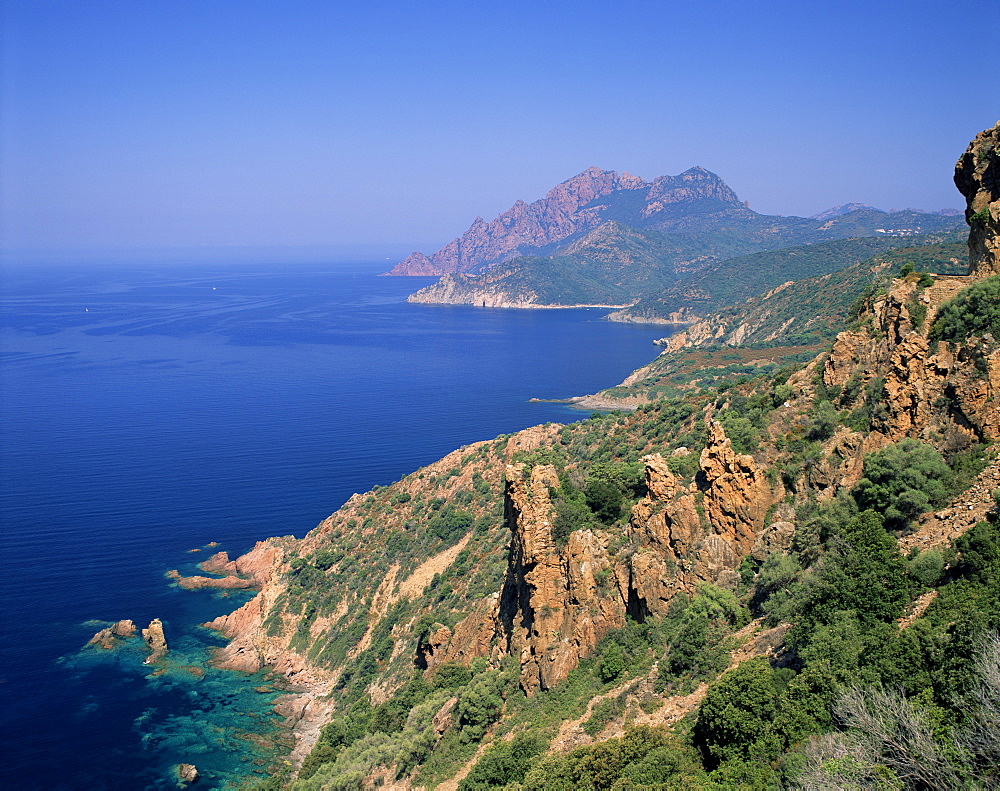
[{"x": 977, "y": 176}]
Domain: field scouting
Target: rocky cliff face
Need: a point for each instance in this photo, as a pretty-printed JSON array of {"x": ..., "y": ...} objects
[
  {"x": 559, "y": 599},
  {"x": 524, "y": 226},
  {"x": 940, "y": 393},
  {"x": 977, "y": 176}
]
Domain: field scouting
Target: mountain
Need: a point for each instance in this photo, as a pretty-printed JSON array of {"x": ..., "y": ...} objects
[
  {"x": 632, "y": 242},
  {"x": 837, "y": 211},
  {"x": 780, "y": 580},
  {"x": 562, "y": 213}
]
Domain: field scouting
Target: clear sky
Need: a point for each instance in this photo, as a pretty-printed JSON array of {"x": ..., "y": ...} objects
[{"x": 295, "y": 122}]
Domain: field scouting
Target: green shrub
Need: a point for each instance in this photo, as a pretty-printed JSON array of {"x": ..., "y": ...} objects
[
  {"x": 901, "y": 481},
  {"x": 479, "y": 705},
  {"x": 927, "y": 567},
  {"x": 603, "y": 713},
  {"x": 974, "y": 311},
  {"x": 505, "y": 762},
  {"x": 736, "y": 713}
]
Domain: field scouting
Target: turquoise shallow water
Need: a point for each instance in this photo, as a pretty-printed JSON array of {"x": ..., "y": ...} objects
[{"x": 150, "y": 409}]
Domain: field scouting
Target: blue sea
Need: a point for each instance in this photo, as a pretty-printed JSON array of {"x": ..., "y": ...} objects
[{"x": 151, "y": 408}]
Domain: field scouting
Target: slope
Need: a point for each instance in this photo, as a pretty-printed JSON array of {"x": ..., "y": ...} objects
[{"x": 640, "y": 545}]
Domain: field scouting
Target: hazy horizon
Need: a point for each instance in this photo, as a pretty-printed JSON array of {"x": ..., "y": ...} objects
[{"x": 304, "y": 124}]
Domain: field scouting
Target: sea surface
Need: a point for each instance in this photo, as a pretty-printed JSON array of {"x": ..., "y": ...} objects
[{"x": 149, "y": 409}]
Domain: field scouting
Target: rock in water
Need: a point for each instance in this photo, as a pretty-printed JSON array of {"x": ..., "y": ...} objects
[
  {"x": 153, "y": 635},
  {"x": 124, "y": 628},
  {"x": 188, "y": 773},
  {"x": 108, "y": 638}
]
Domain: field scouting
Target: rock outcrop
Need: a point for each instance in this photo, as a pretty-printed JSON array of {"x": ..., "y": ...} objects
[
  {"x": 560, "y": 598},
  {"x": 699, "y": 533},
  {"x": 552, "y": 607},
  {"x": 108, "y": 638},
  {"x": 940, "y": 393},
  {"x": 153, "y": 635},
  {"x": 977, "y": 176},
  {"x": 248, "y": 571},
  {"x": 187, "y": 773}
]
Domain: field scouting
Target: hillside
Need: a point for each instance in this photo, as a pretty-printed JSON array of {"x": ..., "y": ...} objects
[
  {"x": 737, "y": 279},
  {"x": 787, "y": 581},
  {"x": 815, "y": 309},
  {"x": 613, "y": 264},
  {"x": 655, "y": 276}
]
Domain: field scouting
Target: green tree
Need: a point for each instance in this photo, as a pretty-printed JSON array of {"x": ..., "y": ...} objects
[
  {"x": 862, "y": 572},
  {"x": 479, "y": 705},
  {"x": 505, "y": 762},
  {"x": 902, "y": 480},
  {"x": 604, "y": 498},
  {"x": 736, "y": 713}
]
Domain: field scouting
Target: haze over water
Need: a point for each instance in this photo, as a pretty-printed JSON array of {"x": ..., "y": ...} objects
[{"x": 150, "y": 409}]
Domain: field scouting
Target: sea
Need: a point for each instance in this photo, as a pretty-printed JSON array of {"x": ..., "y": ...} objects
[{"x": 155, "y": 411}]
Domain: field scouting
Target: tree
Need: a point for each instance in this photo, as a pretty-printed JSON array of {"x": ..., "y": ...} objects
[
  {"x": 862, "y": 572},
  {"x": 736, "y": 713},
  {"x": 901, "y": 481},
  {"x": 604, "y": 498},
  {"x": 479, "y": 705}
]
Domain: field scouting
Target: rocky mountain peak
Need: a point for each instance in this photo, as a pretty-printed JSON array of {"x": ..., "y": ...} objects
[
  {"x": 693, "y": 184},
  {"x": 566, "y": 211}
]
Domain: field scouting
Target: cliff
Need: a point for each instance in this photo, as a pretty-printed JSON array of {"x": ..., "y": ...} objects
[
  {"x": 562, "y": 213},
  {"x": 560, "y": 583},
  {"x": 977, "y": 176}
]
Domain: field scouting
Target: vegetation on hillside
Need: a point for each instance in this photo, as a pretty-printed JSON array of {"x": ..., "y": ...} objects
[
  {"x": 848, "y": 699},
  {"x": 732, "y": 281},
  {"x": 697, "y": 270}
]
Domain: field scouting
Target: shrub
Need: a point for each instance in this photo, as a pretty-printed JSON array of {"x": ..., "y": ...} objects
[
  {"x": 479, "y": 706},
  {"x": 505, "y": 762},
  {"x": 975, "y": 311},
  {"x": 736, "y": 712},
  {"x": 902, "y": 481}
]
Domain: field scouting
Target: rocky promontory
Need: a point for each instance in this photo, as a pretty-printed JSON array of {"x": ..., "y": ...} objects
[{"x": 977, "y": 176}]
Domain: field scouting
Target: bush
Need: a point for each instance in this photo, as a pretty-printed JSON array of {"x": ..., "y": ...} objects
[
  {"x": 902, "y": 481},
  {"x": 927, "y": 568},
  {"x": 975, "y": 311},
  {"x": 505, "y": 762},
  {"x": 604, "y": 498},
  {"x": 479, "y": 706},
  {"x": 736, "y": 713}
]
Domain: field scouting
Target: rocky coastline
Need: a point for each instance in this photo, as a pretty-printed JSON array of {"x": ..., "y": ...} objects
[{"x": 560, "y": 595}]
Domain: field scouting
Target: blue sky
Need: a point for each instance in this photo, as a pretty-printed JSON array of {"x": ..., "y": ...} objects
[{"x": 140, "y": 123}]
